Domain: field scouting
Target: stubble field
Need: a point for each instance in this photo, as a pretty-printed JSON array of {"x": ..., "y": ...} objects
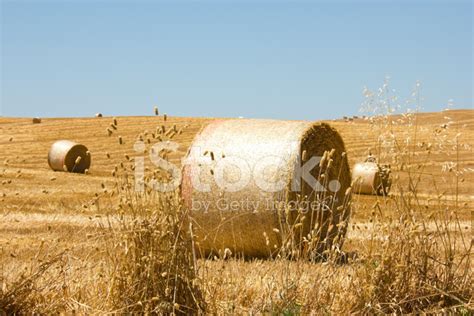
[{"x": 44, "y": 213}]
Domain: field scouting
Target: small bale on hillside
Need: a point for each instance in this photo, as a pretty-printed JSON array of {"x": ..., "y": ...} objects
[
  {"x": 98, "y": 115},
  {"x": 36, "y": 120},
  {"x": 69, "y": 156},
  {"x": 370, "y": 177}
]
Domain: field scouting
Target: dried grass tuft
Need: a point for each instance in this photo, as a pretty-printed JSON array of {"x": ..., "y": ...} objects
[
  {"x": 36, "y": 290},
  {"x": 155, "y": 269}
]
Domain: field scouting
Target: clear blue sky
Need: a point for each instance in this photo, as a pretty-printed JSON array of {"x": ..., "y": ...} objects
[{"x": 266, "y": 59}]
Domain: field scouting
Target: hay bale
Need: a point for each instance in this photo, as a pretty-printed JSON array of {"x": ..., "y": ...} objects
[
  {"x": 371, "y": 178},
  {"x": 252, "y": 220},
  {"x": 69, "y": 156},
  {"x": 98, "y": 115},
  {"x": 36, "y": 120}
]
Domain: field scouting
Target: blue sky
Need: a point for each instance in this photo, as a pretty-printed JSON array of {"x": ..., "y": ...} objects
[{"x": 263, "y": 59}]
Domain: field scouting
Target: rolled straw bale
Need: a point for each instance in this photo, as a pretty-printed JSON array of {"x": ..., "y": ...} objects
[
  {"x": 69, "y": 156},
  {"x": 249, "y": 217},
  {"x": 371, "y": 178},
  {"x": 36, "y": 120}
]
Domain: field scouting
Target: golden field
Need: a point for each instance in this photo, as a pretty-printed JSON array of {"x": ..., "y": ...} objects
[{"x": 44, "y": 213}]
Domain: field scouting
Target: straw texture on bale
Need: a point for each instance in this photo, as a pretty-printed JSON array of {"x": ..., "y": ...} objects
[
  {"x": 249, "y": 221},
  {"x": 69, "y": 156}
]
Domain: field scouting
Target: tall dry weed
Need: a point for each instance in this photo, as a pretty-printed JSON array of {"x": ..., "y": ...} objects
[
  {"x": 421, "y": 258},
  {"x": 155, "y": 269}
]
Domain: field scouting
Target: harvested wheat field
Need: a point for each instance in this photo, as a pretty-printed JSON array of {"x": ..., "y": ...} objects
[{"x": 87, "y": 242}]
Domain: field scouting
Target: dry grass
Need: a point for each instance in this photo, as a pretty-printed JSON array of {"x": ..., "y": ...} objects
[
  {"x": 154, "y": 269},
  {"x": 35, "y": 289},
  {"x": 86, "y": 243}
]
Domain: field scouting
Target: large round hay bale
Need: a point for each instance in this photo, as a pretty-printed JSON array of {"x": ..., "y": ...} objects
[
  {"x": 69, "y": 156},
  {"x": 242, "y": 185}
]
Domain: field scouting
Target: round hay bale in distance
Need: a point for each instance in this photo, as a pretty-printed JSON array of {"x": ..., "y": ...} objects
[
  {"x": 66, "y": 155},
  {"x": 371, "y": 178},
  {"x": 36, "y": 120},
  {"x": 249, "y": 191}
]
